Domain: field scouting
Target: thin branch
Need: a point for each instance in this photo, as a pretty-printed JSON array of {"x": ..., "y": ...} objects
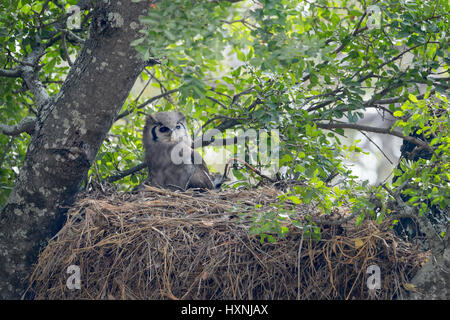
[
  {"x": 398, "y": 99},
  {"x": 319, "y": 106},
  {"x": 377, "y": 146},
  {"x": 355, "y": 33},
  {"x": 217, "y": 117},
  {"x": 201, "y": 142},
  {"x": 5, "y": 152},
  {"x": 44, "y": 7},
  {"x": 370, "y": 103},
  {"x": 143, "y": 89},
  {"x": 243, "y": 21},
  {"x": 10, "y": 55},
  {"x": 127, "y": 172},
  {"x": 389, "y": 61},
  {"x": 300, "y": 246},
  {"x": 385, "y": 91},
  {"x": 66, "y": 52},
  {"x": 357, "y": 30},
  {"x": 74, "y": 37},
  {"x": 221, "y": 93},
  {"x": 326, "y": 7},
  {"x": 215, "y": 142},
  {"x": 29, "y": 71},
  {"x": 162, "y": 88},
  {"x": 48, "y": 81},
  {"x": 231, "y": 122},
  {"x": 354, "y": 126},
  {"x": 259, "y": 173},
  {"x": 383, "y": 109},
  {"x": 324, "y": 95},
  {"x": 238, "y": 95},
  {"x": 98, "y": 177},
  {"x": 162, "y": 95},
  {"x": 217, "y": 101}
]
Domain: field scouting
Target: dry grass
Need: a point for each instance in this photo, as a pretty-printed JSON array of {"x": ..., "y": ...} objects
[{"x": 159, "y": 244}]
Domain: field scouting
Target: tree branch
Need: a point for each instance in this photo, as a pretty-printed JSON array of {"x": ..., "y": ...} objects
[
  {"x": 26, "y": 125},
  {"x": 390, "y": 61},
  {"x": 216, "y": 101},
  {"x": 355, "y": 33},
  {"x": 215, "y": 142},
  {"x": 238, "y": 95},
  {"x": 28, "y": 69},
  {"x": 5, "y": 152},
  {"x": 229, "y": 121},
  {"x": 127, "y": 172},
  {"x": 10, "y": 73},
  {"x": 159, "y": 96},
  {"x": 378, "y": 147},
  {"x": 398, "y": 99},
  {"x": 354, "y": 126},
  {"x": 258, "y": 172},
  {"x": 66, "y": 52}
]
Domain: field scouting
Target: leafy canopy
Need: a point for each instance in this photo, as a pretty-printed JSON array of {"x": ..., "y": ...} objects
[
  {"x": 286, "y": 65},
  {"x": 305, "y": 63}
]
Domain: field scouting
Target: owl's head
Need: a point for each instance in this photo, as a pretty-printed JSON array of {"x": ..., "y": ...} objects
[{"x": 166, "y": 127}]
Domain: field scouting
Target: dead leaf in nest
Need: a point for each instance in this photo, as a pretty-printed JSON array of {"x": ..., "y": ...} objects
[
  {"x": 410, "y": 287},
  {"x": 208, "y": 223},
  {"x": 358, "y": 243}
]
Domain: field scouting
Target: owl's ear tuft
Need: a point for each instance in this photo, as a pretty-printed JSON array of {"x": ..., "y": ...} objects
[
  {"x": 151, "y": 120},
  {"x": 181, "y": 115}
]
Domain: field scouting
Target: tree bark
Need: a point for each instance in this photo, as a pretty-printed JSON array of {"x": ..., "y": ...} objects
[
  {"x": 432, "y": 282},
  {"x": 68, "y": 133}
]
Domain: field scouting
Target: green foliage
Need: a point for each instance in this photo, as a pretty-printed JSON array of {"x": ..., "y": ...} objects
[
  {"x": 121, "y": 150},
  {"x": 268, "y": 225},
  {"x": 269, "y": 64},
  {"x": 306, "y": 62},
  {"x": 426, "y": 181}
]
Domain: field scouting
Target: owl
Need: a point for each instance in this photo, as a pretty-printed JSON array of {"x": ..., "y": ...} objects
[{"x": 171, "y": 161}]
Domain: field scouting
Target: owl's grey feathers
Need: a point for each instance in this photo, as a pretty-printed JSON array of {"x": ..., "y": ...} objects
[{"x": 171, "y": 161}]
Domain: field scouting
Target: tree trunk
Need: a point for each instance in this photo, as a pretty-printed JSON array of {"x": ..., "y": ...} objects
[
  {"x": 68, "y": 134},
  {"x": 432, "y": 282}
]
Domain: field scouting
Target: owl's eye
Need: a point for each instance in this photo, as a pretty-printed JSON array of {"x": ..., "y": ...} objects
[
  {"x": 178, "y": 127},
  {"x": 163, "y": 129}
]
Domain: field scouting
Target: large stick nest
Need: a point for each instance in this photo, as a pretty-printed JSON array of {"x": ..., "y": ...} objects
[{"x": 159, "y": 244}]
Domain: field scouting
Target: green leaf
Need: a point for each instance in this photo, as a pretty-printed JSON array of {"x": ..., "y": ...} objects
[
  {"x": 412, "y": 98},
  {"x": 137, "y": 41},
  {"x": 294, "y": 199}
]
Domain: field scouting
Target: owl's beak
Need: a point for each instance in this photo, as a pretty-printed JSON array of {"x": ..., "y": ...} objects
[{"x": 173, "y": 135}]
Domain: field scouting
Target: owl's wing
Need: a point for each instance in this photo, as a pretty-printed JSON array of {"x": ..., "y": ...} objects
[{"x": 201, "y": 177}]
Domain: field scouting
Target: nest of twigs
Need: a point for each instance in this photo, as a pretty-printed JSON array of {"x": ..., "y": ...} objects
[{"x": 159, "y": 244}]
